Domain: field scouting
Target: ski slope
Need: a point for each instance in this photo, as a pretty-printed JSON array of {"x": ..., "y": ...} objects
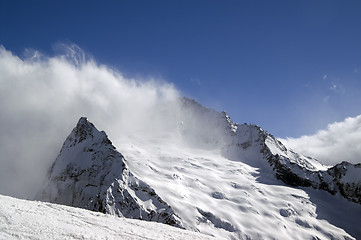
[{"x": 24, "y": 219}]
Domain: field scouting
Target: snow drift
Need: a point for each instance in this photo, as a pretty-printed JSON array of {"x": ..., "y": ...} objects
[{"x": 23, "y": 219}]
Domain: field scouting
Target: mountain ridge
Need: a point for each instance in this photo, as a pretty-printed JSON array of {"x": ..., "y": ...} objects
[
  {"x": 290, "y": 167},
  {"x": 236, "y": 156}
]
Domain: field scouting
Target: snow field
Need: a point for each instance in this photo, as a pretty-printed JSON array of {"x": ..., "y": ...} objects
[
  {"x": 23, "y": 219},
  {"x": 223, "y": 198}
]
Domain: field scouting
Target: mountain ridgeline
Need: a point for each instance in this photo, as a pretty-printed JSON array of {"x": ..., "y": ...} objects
[
  {"x": 90, "y": 173},
  {"x": 292, "y": 168}
]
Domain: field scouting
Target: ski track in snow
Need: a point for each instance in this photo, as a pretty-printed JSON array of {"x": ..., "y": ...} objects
[
  {"x": 23, "y": 219},
  {"x": 232, "y": 200}
]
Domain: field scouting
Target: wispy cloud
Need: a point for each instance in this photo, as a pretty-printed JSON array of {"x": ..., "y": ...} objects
[
  {"x": 337, "y": 88},
  {"x": 324, "y": 77},
  {"x": 339, "y": 142},
  {"x": 333, "y": 87}
]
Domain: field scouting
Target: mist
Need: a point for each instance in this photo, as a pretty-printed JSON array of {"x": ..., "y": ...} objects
[{"x": 42, "y": 98}]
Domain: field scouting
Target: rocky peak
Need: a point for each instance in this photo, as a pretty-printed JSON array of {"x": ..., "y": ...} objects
[
  {"x": 89, "y": 173},
  {"x": 86, "y": 131}
]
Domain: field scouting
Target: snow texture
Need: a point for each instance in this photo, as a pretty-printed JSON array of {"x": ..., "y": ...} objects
[
  {"x": 219, "y": 180},
  {"x": 23, "y": 219}
]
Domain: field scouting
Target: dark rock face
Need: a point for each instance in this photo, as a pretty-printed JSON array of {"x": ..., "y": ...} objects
[
  {"x": 286, "y": 175},
  {"x": 343, "y": 178},
  {"x": 89, "y": 173}
]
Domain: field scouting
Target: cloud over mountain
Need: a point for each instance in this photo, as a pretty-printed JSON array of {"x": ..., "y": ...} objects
[
  {"x": 42, "y": 97},
  {"x": 339, "y": 142}
]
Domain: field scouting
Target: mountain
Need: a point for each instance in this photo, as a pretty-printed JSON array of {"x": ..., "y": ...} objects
[
  {"x": 24, "y": 219},
  {"x": 288, "y": 166},
  {"x": 89, "y": 173},
  {"x": 210, "y": 175},
  {"x": 297, "y": 170}
]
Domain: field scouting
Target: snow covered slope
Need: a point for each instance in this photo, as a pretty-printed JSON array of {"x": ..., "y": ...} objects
[
  {"x": 212, "y": 176},
  {"x": 22, "y": 219},
  {"x": 230, "y": 199},
  {"x": 220, "y": 181},
  {"x": 89, "y": 173},
  {"x": 250, "y": 144}
]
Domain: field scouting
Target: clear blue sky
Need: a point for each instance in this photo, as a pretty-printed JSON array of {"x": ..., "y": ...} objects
[{"x": 291, "y": 67}]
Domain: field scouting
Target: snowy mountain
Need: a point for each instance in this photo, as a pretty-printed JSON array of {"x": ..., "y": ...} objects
[
  {"x": 252, "y": 145},
  {"x": 210, "y": 175},
  {"x": 89, "y": 173},
  {"x": 297, "y": 170}
]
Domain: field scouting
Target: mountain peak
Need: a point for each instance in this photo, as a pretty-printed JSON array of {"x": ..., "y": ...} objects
[
  {"x": 85, "y": 130},
  {"x": 90, "y": 173},
  {"x": 82, "y": 121}
]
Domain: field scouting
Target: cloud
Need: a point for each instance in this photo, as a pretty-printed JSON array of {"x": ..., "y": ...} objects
[
  {"x": 324, "y": 77},
  {"x": 339, "y": 142},
  {"x": 333, "y": 87},
  {"x": 336, "y": 87},
  {"x": 41, "y": 99}
]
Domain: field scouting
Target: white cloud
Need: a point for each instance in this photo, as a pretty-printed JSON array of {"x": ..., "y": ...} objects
[
  {"x": 339, "y": 142},
  {"x": 333, "y": 87},
  {"x": 324, "y": 77},
  {"x": 41, "y": 99}
]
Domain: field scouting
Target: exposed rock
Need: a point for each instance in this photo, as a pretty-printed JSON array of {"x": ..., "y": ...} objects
[{"x": 90, "y": 173}]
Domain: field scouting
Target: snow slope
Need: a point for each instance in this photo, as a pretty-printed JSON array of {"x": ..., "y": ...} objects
[
  {"x": 23, "y": 219},
  {"x": 229, "y": 199},
  {"x": 217, "y": 177},
  {"x": 223, "y": 179}
]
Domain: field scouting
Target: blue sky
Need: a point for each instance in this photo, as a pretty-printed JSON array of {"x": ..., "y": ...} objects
[{"x": 291, "y": 67}]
